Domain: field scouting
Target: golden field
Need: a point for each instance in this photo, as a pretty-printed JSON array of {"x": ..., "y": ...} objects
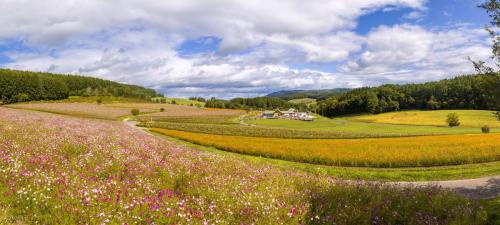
[
  {"x": 468, "y": 118},
  {"x": 369, "y": 152}
]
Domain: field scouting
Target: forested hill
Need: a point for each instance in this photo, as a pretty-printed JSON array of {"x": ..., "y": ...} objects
[
  {"x": 463, "y": 92},
  {"x": 20, "y": 86},
  {"x": 316, "y": 94}
]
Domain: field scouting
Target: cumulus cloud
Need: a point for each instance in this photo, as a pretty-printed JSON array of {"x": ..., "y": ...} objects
[
  {"x": 137, "y": 41},
  {"x": 412, "y": 53}
]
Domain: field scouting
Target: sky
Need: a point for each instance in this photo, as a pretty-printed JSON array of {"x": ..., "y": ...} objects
[{"x": 241, "y": 48}]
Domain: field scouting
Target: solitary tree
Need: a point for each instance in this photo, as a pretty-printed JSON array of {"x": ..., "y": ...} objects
[
  {"x": 135, "y": 112},
  {"x": 492, "y": 81},
  {"x": 453, "y": 120}
]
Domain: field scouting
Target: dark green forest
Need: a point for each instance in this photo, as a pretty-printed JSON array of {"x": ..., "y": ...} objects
[
  {"x": 21, "y": 86},
  {"x": 251, "y": 103},
  {"x": 463, "y": 92},
  {"x": 316, "y": 94}
]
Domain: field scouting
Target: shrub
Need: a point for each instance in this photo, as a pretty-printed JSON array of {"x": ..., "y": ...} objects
[
  {"x": 453, "y": 120},
  {"x": 174, "y": 102},
  {"x": 497, "y": 115},
  {"x": 22, "y": 97},
  {"x": 99, "y": 101},
  {"x": 162, "y": 110},
  {"x": 135, "y": 112},
  {"x": 485, "y": 129}
]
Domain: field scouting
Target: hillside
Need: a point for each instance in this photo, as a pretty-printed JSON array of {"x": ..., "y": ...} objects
[
  {"x": 21, "y": 86},
  {"x": 316, "y": 94},
  {"x": 462, "y": 92}
]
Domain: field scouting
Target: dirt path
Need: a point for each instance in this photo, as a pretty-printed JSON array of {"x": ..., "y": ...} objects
[
  {"x": 133, "y": 124},
  {"x": 478, "y": 188}
]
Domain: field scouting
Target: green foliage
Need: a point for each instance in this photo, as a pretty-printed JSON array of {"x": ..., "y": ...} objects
[
  {"x": 20, "y": 86},
  {"x": 253, "y": 103},
  {"x": 453, "y": 120},
  {"x": 315, "y": 94},
  {"x": 433, "y": 104},
  {"x": 485, "y": 129},
  {"x": 22, "y": 97},
  {"x": 173, "y": 102},
  {"x": 135, "y": 112},
  {"x": 492, "y": 81},
  {"x": 497, "y": 114},
  {"x": 99, "y": 101},
  {"x": 464, "y": 92},
  {"x": 198, "y": 99}
]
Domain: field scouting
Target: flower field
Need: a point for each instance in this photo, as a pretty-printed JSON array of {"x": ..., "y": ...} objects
[
  {"x": 113, "y": 111},
  {"x": 190, "y": 111},
  {"x": 378, "y": 152},
  {"x": 90, "y": 110},
  {"x": 62, "y": 170}
]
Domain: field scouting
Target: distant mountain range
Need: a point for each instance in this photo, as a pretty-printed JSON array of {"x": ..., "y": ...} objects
[{"x": 316, "y": 94}]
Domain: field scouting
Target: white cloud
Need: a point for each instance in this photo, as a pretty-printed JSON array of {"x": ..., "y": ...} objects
[
  {"x": 419, "y": 54},
  {"x": 241, "y": 24},
  {"x": 136, "y": 41},
  {"x": 414, "y": 15}
]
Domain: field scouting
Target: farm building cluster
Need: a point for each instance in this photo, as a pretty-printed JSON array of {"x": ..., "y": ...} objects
[{"x": 290, "y": 114}]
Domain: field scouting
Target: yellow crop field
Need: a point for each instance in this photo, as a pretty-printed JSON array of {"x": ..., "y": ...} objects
[
  {"x": 468, "y": 118},
  {"x": 369, "y": 152}
]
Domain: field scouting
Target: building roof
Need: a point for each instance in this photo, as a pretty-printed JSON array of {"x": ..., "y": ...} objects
[{"x": 268, "y": 112}]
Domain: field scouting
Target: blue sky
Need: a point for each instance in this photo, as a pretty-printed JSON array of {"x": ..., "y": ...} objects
[{"x": 232, "y": 48}]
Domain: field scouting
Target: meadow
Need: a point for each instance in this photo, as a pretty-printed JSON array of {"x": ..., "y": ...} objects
[
  {"x": 179, "y": 101},
  {"x": 89, "y": 110},
  {"x": 190, "y": 111},
  {"x": 57, "y": 169},
  {"x": 468, "y": 118},
  {"x": 113, "y": 109},
  {"x": 379, "y": 152},
  {"x": 321, "y": 128},
  {"x": 306, "y": 101}
]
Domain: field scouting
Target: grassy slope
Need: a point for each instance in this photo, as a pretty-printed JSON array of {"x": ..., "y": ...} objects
[
  {"x": 350, "y": 125},
  {"x": 303, "y": 101},
  {"x": 468, "y": 118}
]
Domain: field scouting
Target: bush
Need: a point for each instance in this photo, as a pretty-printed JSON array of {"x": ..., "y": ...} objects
[
  {"x": 485, "y": 129},
  {"x": 22, "y": 97},
  {"x": 497, "y": 115},
  {"x": 162, "y": 110},
  {"x": 135, "y": 112},
  {"x": 99, "y": 101},
  {"x": 174, "y": 102},
  {"x": 453, "y": 120}
]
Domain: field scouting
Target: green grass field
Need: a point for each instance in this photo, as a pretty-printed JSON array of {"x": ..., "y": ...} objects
[
  {"x": 306, "y": 101},
  {"x": 350, "y": 127},
  {"x": 180, "y": 101},
  {"x": 468, "y": 118}
]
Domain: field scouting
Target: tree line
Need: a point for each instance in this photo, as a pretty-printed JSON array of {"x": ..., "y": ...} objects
[
  {"x": 21, "y": 86},
  {"x": 463, "y": 92},
  {"x": 253, "y": 103}
]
